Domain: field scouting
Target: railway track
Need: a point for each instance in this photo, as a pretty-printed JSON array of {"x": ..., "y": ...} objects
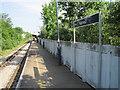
[
  {"x": 9, "y": 59},
  {"x": 15, "y": 76}
]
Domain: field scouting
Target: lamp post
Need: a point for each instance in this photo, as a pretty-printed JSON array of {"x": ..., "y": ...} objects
[{"x": 59, "y": 47}]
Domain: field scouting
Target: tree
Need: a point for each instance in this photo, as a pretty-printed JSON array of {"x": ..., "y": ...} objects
[
  {"x": 9, "y": 36},
  {"x": 71, "y": 11},
  {"x": 48, "y": 15}
]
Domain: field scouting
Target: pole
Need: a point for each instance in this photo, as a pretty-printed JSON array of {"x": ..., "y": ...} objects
[
  {"x": 57, "y": 20},
  {"x": 74, "y": 35},
  {"x": 100, "y": 51},
  {"x": 73, "y": 69},
  {"x": 59, "y": 48}
]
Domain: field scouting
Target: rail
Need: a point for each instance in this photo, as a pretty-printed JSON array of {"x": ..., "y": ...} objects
[{"x": 14, "y": 78}]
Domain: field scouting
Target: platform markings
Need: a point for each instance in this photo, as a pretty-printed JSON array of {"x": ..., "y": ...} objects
[{"x": 37, "y": 63}]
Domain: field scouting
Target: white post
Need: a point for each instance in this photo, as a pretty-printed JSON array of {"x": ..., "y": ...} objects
[
  {"x": 100, "y": 52},
  {"x": 74, "y": 54},
  {"x": 74, "y": 35}
]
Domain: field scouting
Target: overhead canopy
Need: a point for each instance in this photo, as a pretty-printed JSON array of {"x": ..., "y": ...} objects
[{"x": 35, "y": 33}]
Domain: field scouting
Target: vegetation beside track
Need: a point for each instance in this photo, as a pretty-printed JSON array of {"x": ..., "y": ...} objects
[{"x": 11, "y": 38}]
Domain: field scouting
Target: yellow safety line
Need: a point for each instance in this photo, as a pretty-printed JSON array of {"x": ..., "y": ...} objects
[
  {"x": 38, "y": 66},
  {"x": 39, "y": 73},
  {"x": 37, "y": 63}
]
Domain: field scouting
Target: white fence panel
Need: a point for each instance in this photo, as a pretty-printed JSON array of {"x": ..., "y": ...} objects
[
  {"x": 80, "y": 60},
  {"x": 114, "y": 72},
  {"x": 89, "y": 67},
  {"x": 67, "y": 57},
  {"x": 105, "y": 70},
  {"x": 83, "y": 58}
]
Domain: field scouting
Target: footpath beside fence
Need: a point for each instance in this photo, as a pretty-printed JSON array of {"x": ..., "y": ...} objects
[{"x": 83, "y": 60}]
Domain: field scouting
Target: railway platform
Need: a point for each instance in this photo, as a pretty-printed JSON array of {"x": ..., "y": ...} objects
[{"x": 41, "y": 70}]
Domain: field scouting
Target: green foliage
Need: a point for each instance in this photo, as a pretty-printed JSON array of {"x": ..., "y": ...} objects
[
  {"x": 48, "y": 14},
  {"x": 10, "y": 37},
  {"x": 71, "y": 11},
  {"x": 114, "y": 21}
]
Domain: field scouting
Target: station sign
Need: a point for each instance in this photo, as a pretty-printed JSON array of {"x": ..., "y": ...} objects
[{"x": 87, "y": 20}]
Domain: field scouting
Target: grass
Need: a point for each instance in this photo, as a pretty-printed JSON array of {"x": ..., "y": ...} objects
[{"x": 4, "y": 53}]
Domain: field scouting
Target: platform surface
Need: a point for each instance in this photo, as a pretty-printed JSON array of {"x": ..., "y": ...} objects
[{"x": 42, "y": 71}]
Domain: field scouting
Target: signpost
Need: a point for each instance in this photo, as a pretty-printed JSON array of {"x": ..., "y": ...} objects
[
  {"x": 95, "y": 18},
  {"x": 87, "y": 20}
]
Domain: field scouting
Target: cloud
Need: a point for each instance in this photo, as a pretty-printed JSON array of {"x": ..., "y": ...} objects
[
  {"x": 1, "y": 8},
  {"x": 25, "y": 13},
  {"x": 38, "y": 1},
  {"x": 32, "y": 5},
  {"x": 20, "y": 0}
]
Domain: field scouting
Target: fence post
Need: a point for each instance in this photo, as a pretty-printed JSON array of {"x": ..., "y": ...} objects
[
  {"x": 84, "y": 79},
  {"x": 74, "y": 51},
  {"x": 59, "y": 53}
]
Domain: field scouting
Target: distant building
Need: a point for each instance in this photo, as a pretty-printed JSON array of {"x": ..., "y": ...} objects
[
  {"x": 35, "y": 33},
  {"x": 23, "y": 35}
]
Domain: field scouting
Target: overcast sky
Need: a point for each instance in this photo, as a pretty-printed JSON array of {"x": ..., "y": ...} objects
[{"x": 24, "y": 13}]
